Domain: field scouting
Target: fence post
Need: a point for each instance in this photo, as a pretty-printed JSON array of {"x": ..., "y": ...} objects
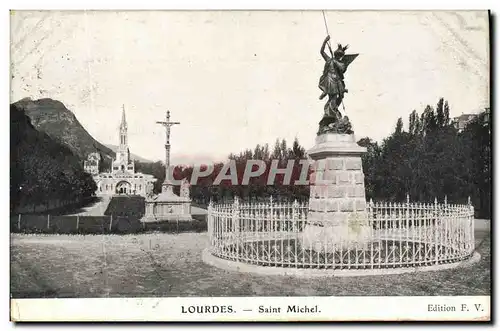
[
  {"x": 110, "y": 224},
  {"x": 472, "y": 242},
  {"x": 271, "y": 219},
  {"x": 408, "y": 213},
  {"x": 295, "y": 206},
  {"x": 19, "y": 222},
  {"x": 209, "y": 222},
  {"x": 436, "y": 235},
  {"x": 48, "y": 221},
  {"x": 235, "y": 221},
  {"x": 77, "y": 222},
  {"x": 371, "y": 214}
]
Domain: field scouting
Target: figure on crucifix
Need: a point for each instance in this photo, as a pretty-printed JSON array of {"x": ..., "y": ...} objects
[{"x": 332, "y": 85}]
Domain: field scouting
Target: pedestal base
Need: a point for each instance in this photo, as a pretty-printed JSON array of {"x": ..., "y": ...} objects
[
  {"x": 167, "y": 207},
  {"x": 337, "y": 217},
  {"x": 167, "y": 218},
  {"x": 327, "y": 239}
]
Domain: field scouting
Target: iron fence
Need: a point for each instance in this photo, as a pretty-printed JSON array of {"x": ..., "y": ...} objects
[
  {"x": 399, "y": 235},
  {"x": 76, "y": 224}
]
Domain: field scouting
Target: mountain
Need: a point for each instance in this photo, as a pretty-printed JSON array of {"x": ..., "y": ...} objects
[
  {"x": 59, "y": 123},
  {"x": 44, "y": 173},
  {"x": 132, "y": 156}
]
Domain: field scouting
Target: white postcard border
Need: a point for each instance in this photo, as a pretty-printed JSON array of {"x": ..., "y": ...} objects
[{"x": 232, "y": 309}]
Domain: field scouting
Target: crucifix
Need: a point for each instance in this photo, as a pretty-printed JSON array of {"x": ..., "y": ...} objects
[{"x": 167, "y": 185}]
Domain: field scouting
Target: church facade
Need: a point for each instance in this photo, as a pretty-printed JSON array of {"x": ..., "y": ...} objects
[{"x": 122, "y": 177}]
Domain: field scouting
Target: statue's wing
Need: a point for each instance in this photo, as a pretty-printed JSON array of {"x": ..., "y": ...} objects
[{"x": 348, "y": 58}]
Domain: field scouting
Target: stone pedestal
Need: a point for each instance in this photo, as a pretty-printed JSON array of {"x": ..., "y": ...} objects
[
  {"x": 167, "y": 206},
  {"x": 337, "y": 217}
]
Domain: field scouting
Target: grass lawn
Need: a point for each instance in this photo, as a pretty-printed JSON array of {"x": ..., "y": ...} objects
[{"x": 170, "y": 265}]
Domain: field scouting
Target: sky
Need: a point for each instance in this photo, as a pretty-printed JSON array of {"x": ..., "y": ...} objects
[{"x": 238, "y": 78}]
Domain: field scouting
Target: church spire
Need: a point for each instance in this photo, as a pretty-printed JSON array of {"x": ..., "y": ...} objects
[
  {"x": 122, "y": 162},
  {"x": 123, "y": 131},
  {"x": 124, "y": 121}
]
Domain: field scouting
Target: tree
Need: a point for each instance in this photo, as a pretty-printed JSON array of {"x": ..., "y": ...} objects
[
  {"x": 432, "y": 160},
  {"x": 413, "y": 125},
  {"x": 399, "y": 126},
  {"x": 283, "y": 150},
  {"x": 446, "y": 113},
  {"x": 297, "y": 152},
  {"x": 429, "y": 120},
  {"x": 371, "y": 166},
  {"x": 440, "y": 116},
  {"x": 277, "y": 150},
  {"x": 476, "y": 140},
  {"x": 266, "y": 155},
  {"x": 47, "y": 173}
]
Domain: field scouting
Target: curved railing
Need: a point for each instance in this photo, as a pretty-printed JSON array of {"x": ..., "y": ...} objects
[{"x": 401, "y": 235}]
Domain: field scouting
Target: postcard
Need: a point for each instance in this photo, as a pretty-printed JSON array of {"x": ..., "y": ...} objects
[{"x": 277, "y": 165}]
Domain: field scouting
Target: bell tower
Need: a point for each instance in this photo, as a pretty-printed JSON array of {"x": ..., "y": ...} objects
[{"x": 122, "y": 154}]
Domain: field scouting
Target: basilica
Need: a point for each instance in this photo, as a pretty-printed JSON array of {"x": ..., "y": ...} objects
[{"x": 121, "y": 178}]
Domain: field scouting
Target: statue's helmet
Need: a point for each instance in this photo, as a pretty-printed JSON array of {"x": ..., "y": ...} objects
[{"x": 340, "y": 51}]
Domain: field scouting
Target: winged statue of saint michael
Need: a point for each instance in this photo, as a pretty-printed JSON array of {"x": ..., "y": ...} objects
[{"x": 332, "y": 85}]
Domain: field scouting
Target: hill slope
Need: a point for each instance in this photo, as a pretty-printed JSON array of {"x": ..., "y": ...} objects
[
  {"x": 59, "y": 123},
  {"x": 43, "y": 172}
]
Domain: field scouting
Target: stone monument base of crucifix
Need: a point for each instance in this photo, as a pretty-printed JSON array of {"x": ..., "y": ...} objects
[
  {"x": 168, "y": 206},
  {"x": 337, "y": 217}
]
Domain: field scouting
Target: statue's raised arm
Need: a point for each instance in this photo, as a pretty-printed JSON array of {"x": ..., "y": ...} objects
[{"x": 323, "y": 53}]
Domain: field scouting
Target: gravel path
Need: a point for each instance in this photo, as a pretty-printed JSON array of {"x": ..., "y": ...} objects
[
  {"x": 96, "y": 209},
  {"x": 171, "y": 265}
]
